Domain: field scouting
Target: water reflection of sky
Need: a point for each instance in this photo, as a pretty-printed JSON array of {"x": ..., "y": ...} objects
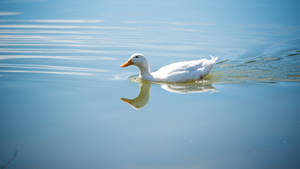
[
  {"x": 265, "y": 11},
  {"x": 60, "y": 84}
]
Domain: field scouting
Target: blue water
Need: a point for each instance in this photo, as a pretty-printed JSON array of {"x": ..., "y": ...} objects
[{"x": 66, "y": 103}]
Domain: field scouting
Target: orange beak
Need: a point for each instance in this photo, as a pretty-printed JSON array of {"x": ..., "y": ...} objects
[{"x": 128, "y": 63}]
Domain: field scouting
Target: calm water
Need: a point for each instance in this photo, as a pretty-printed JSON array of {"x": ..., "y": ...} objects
[{"x": 65, "y": 103}]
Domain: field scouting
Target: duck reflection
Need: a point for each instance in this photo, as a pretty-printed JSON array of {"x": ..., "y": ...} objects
[
  {"x": 181, "y": 88},
  {"x": 143, "y": 97},
  {"x": 186, "y": 88}
]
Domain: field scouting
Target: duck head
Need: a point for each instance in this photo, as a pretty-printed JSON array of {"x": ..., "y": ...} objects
[
  {"x": 136, "y": 59},
  {"x": 139, "y": 60}
]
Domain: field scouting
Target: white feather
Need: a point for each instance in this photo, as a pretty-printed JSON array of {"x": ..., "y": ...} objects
[{"x": 175, "y": 72}]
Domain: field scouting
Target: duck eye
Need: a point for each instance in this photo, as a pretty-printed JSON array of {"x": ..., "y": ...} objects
[{"x": 136, "y": 56}]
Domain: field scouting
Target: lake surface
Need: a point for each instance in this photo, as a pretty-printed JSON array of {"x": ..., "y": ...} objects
[{"x": 66, "y": 103}]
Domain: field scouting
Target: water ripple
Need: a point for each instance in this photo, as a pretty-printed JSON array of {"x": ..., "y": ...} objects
[
  {"x": 10, "y": 13},
  {"x": 51, "y": 67},
  {"x": 5, "y": 57},
  {"x": 243, "y": 58},
  {"x": 65, "y": 27},
  {"x": 47, "y": 72},
  {"x": 22, "y": 50}
]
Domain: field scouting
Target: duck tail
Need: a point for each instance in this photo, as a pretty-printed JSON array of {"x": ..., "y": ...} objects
[{"x": 214, "y": 58}]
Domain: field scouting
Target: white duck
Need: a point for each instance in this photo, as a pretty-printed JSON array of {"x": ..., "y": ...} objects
[{"x": 175, "y": 72}]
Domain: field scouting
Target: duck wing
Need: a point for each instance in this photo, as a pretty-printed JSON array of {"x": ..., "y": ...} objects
[{"x": 184, "y": 71}]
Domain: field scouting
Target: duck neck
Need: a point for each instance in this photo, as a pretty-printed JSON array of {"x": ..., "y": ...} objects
[{"x": 145, "y": 71}]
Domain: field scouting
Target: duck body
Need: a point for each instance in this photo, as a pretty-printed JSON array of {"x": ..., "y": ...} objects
[
  {"x": 175, "y": 72},
  {"x": 184, "y": 71}
]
